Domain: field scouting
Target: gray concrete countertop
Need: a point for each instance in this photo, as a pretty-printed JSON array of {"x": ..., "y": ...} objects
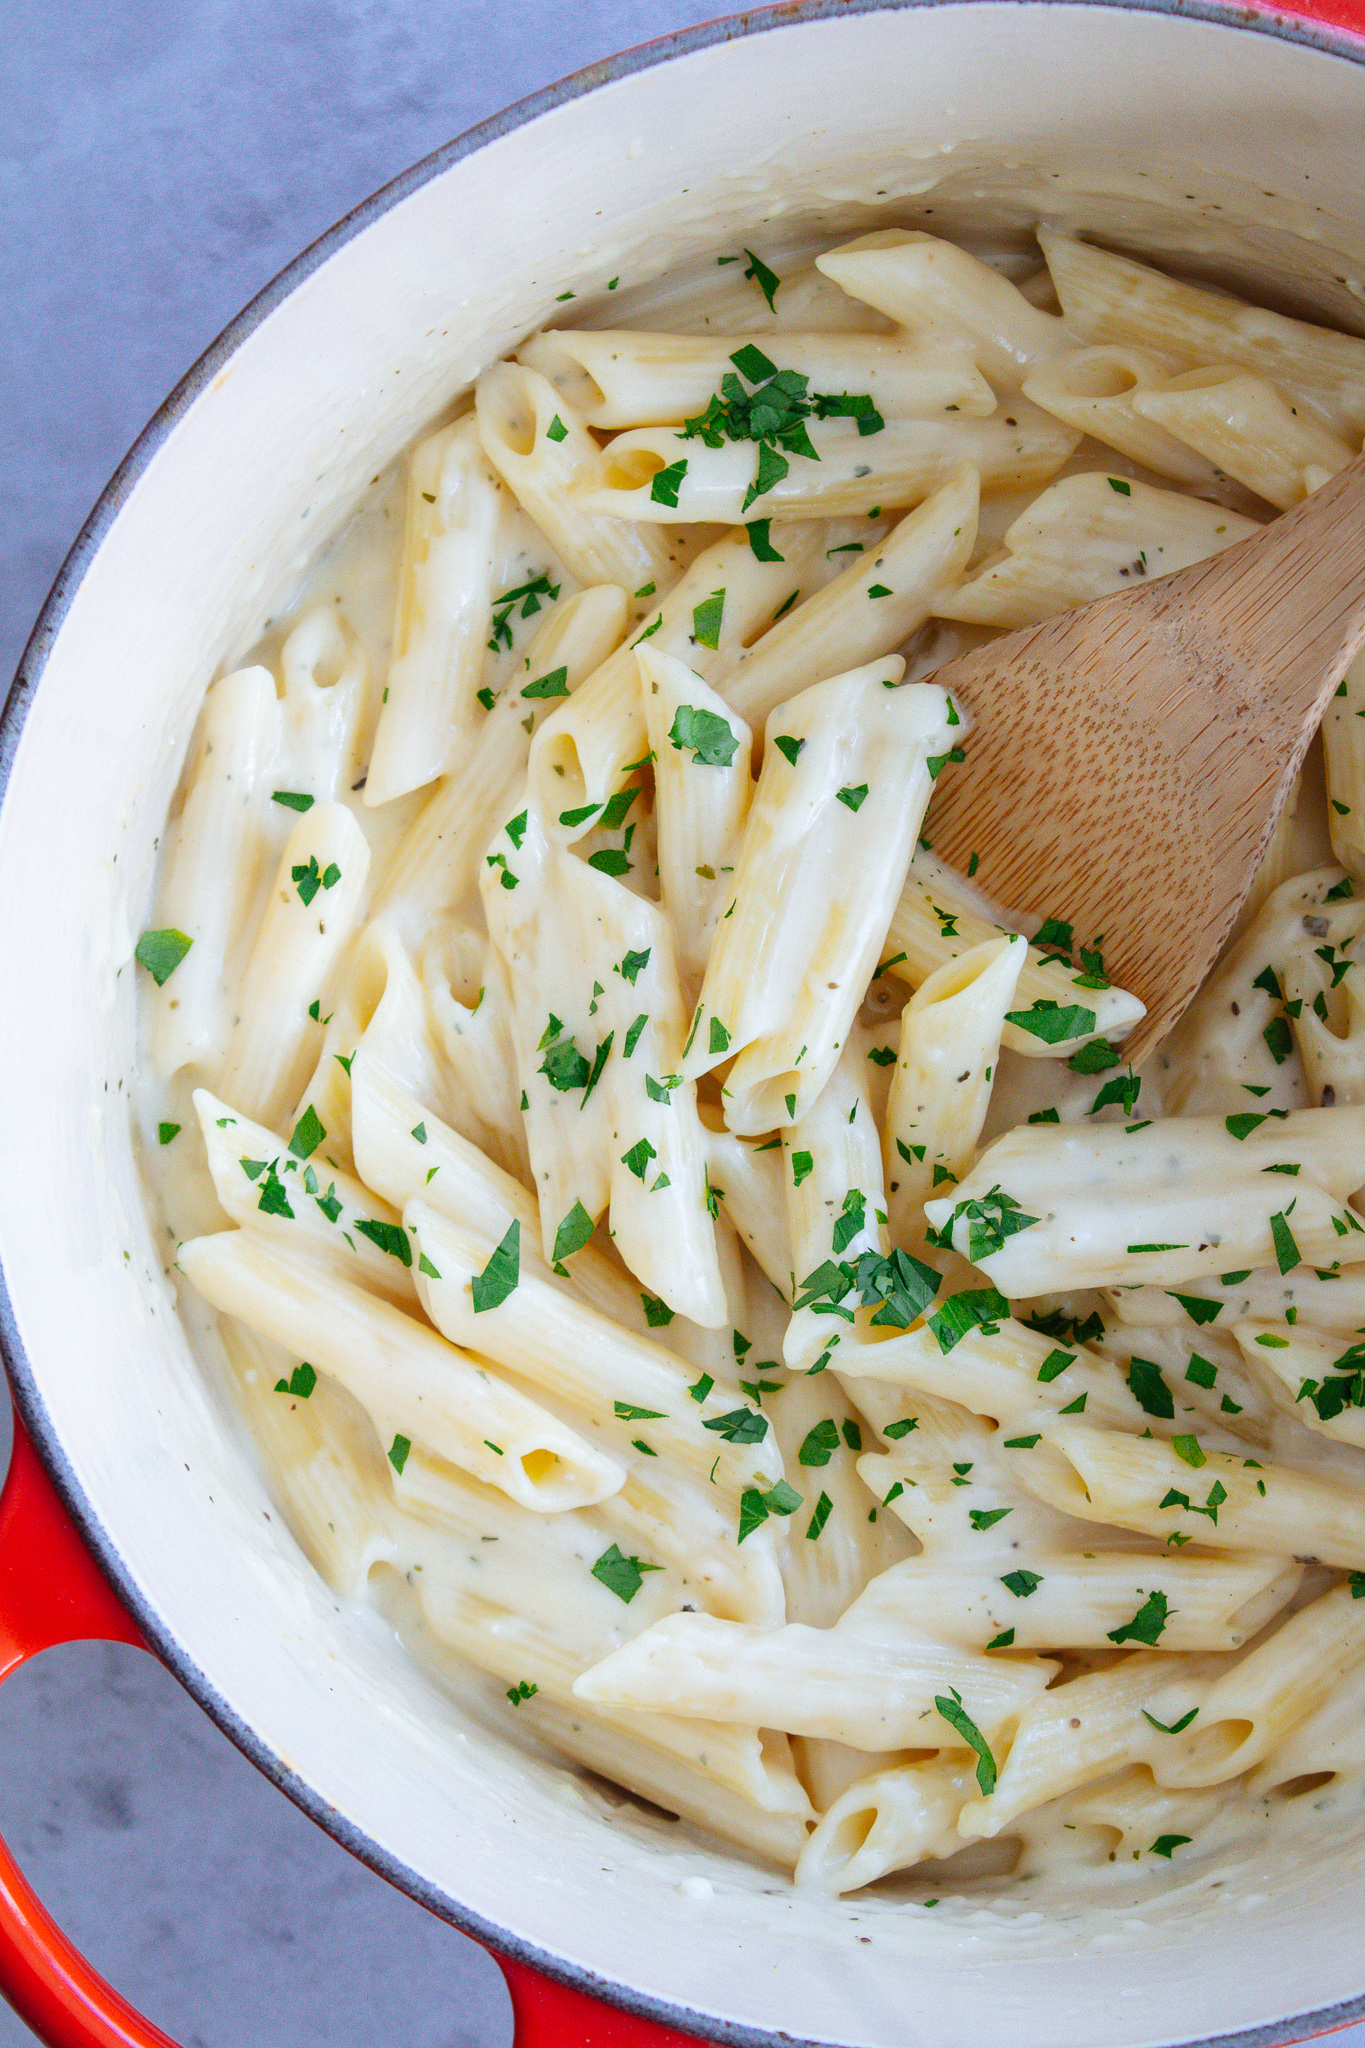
[{"x": 160, "y": 160}]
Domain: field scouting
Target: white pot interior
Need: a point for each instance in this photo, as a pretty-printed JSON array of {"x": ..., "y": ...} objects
[{"x": 1231, "y": 149}]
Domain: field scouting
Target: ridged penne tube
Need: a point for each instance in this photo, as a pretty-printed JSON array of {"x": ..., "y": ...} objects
[
  {"x": 1319, "y": 1374},
  {"x": 888, "y": 1821},
  {"x": 1094, "y": 390},
  {"x": 1325, "y": 1301},
  {"x": 737, "y": 1782},
  {"x": 1330, "y": 1738},
  {"x": 950, "y": 1484},
  {"x": 581, "y": 753},
  {"x": 833, "y": 1182},
  {"x": 538, "y": 1612},
  {"x": 1325, "y": 1006},
  {"x": 750, "y": 1179},
  {"x": 941, "y": 1084},
  {"x": 476, "y": 1040},
  {"x": 930, "y": 926},
  {"x": 1242, "y": 423},
  {"x": 874, "y": 1691},
  {"x": 445, "y": 598},
  {"x": 1089, "y": 1727},
  {"x": 833, "y": 1189},
  {"x": 382, "y": 1006},
  {"x": 451, "y": 1175},
  {"x": 661, "y": 1513},
  {"x": 1234, "y": 1039},
  {"x": 412, "y": 1383},
  {"x": 1169, "y": 1201},
  {"x": 1211, "y": 1498},
  {"x": 844, "y": 797},
  {"x": 576, "y": 1355},
  {"x": 1118, "y": 1821},
  {"x": 845, "y": 624},
  {"x": 264, "y": 1184},
  {"x": 1075, "y": 1601},
  {"x": 598, "y": 1027},
  {"x": 702, "y": 794},
  {"x": 1015, "y": 1375},
  {"x": 1084, "y": 537},
  {"x": 1343, "y": 749},
  {"x": 1110, "y": 298},
  {"x": 515, "y": 408},
  {"x": 312, "y": 911},
  {"x": 324, "y": 671},
  {"x": 852, "y": 472},
  {"x": 622, "y": 377},
  {"x": 1250, "y": 1710},
  {"x": 216, "y": 846},
  {"x": 733, "y": 302},
  {"x": 325, "y": 1466},
  {"x": 835, "y": 1547},
  {"x": 936, "y": 289},
  {"x": 434, "y": 866}
]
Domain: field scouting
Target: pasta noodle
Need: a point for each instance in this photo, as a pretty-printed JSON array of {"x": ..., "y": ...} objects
[{"x": 695, "y": 1264}]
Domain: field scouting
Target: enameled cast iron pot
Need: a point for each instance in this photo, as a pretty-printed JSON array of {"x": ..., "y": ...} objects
[{"x": 1223, "y": 136}]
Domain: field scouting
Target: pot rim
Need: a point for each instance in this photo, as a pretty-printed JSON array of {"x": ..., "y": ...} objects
[{"x": 1309, "y": 33}]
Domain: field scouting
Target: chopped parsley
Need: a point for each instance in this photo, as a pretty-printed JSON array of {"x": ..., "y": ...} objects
[
  {"x": 389, "y": 1237},
  {"x": 706, "y": 619},
  {"x": 760, "y": 540},
  {"x": 665, "y": 487},
  {"x": 162, "y": 952},
  {"x": 1047, "y": 1020},
  {"x": 622, "y": 1576},
  {"x": 309, "y": 1133},
  {"x": 528, "y": 596},
  {"x": 1149, "y": 1388},
  {"x": 1147, "y": 1624},
  {"x": 824, "y": 1507},
  {"x": 398, "y": 1452},
  {"x": 1094, "y": 1058},
  {"x": 954, "y": 1713},
  {"x": 853, "y": 798},
  {"x": 292, "y": 799},
  {"x": 767, "y": 280},
  {"x": 990, "y": 1220},
  {"x": 739, "y": 1426},
  {"x": 712, "y": 742},
  {"x": 1287, "y": 1253},
  {"x": 986, "y": 1518},
  {"x": 1022, "y": 1583},
  {"x": 300, "y": 1383},
  {"x": 500, "y": 1276},
  {"x": 785, "y": 744},
  {"x": 638, "y": 1157},
  {"x": 573, "y": 1233},
  {"x": 975, "y": 1308},
  {"x": 819, "y": 1445},
  {"x": 165, "y": 1133}
]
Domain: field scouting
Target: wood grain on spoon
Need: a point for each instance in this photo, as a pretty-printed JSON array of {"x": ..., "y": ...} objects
[{"x": 1127, "y": 760}]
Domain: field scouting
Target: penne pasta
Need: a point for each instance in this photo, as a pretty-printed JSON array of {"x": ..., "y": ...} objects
[{"x": 844, "y": 795}]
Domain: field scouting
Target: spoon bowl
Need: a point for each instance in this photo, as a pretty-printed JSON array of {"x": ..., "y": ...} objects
[{"x": 1128, "y": 760}]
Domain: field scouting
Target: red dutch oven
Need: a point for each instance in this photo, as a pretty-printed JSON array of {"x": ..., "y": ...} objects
[{"x": 1229, "y": 133}]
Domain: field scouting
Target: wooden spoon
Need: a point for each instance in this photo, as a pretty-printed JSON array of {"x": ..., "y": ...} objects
[{"x": 1128, "y": 760}]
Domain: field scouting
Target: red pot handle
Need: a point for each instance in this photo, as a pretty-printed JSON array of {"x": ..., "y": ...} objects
[{"x": 52, "y": 1591}]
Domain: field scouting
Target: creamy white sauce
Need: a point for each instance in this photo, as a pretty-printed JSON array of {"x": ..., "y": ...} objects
[{"x": 1048, "y": 1862}]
